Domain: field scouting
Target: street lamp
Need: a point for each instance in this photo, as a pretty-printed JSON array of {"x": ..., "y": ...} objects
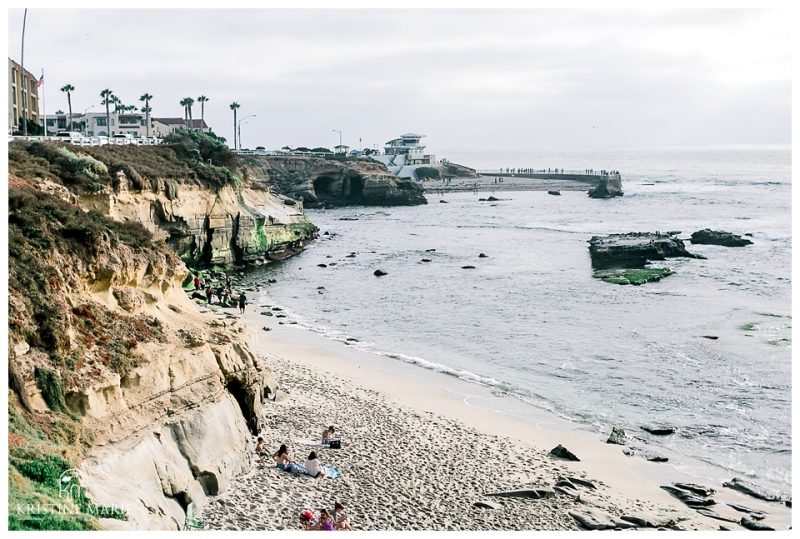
[
  {"x": 340, "y": 135},
  {"x": 239, "y": 128}
]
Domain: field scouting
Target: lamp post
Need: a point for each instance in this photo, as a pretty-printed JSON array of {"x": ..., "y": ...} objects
[
  {"x": 23, "y": 80},
  {"x": 239, "y": 128},
  {"x": 340, "y": 135},
  {"x": 85, "y": 122}
]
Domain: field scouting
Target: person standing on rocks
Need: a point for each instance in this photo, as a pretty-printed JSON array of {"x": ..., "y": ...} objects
[
  {"x": 242, "y": 302},
  {"x": 209, "y": 294},
  {"x": 196, "y": 282}
]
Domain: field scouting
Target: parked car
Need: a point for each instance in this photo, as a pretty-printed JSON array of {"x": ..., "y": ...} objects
[{"x": 69, "y": 136}]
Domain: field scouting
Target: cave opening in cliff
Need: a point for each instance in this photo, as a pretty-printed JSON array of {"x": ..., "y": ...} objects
[
  {"x": 339, "y": 188},
  {"x": 239, "y": 393},
  {"x": 208, "y": 481}
]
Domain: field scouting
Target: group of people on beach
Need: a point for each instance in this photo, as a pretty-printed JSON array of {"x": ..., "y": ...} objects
[
  {"x": 335, "y": 520},
  {"x": 327, "y": 521},
  {"x": 223, "y": 292}
]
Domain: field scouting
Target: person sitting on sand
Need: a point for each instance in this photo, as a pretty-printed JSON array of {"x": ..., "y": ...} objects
[
  {"x": 340, "y": 519},
  {"x": 307, "y": 521},
  {"x": 313, "y": 466},
  {"x": 326, "y": 522},
  {"x": 327, "y": 435},
  {"x": 261, "y": 448},
  {"x": 282, "y": 458}
]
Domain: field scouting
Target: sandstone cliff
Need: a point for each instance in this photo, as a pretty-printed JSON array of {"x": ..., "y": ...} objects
[
  {"x": 320, "y": 182},
  {"x": 112, "y": 368}
]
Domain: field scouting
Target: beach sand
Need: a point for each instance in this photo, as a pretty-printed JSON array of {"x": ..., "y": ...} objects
[{"x": 416, "y": 454}]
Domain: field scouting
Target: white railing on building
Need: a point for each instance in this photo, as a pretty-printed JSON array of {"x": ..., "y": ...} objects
[{"x": 91, "y": 141}]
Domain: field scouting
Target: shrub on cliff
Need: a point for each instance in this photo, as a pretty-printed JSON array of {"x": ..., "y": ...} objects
[{"x": 209, "y": 146}]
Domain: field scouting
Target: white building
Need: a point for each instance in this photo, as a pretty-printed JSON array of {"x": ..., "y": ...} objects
[
  {"x": 408, "y": 145},
  {"x": 95, "y": 124},
  {"x": 164, "y": 126}
]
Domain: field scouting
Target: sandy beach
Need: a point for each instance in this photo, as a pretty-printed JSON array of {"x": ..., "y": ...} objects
[{"x": 417, "y": 454}]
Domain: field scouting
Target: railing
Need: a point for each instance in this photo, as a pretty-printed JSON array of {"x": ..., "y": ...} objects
[
  {"x": 90, "y": 141},
  {"x": 557, "y": 171}
]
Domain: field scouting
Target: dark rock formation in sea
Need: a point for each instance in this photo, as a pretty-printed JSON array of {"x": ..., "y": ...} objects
[
  {"x": 635, "y": 249},
  {"x": 321, "y": 182},
  {"x": 379, "y": 273},
  {"x": 607, "y": 188},
  {"x": 719, "y": 237},
  {"x": 659, "y": 430}
]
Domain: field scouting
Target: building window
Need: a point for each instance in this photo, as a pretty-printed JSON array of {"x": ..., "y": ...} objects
[
  {"x": 101, "y": 122},
  {"x": 51, "y": 122}
]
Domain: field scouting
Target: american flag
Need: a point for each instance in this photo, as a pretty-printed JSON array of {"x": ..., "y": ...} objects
[{"x": 40, "y": 81}]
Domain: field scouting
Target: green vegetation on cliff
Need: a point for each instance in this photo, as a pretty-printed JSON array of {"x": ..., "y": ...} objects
[
  {"x": 188, "y": 156},
  {"x": 48, "y": 240}
]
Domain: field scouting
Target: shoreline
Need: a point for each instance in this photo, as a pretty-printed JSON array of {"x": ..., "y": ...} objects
[
  {"x": 629, "y": 485},
  {"x": 510, "y": 183}
]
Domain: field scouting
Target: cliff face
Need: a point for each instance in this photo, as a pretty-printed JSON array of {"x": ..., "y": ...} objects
[
  {"x": 229, "y": 225},
  {"x": 113, "y": 369},
  {"x": 321, "y": 182}
]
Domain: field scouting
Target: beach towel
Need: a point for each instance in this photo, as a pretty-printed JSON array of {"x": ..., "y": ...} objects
[
  {"x": 331, "y": 472},
  {"x": 308, "y": 441}
]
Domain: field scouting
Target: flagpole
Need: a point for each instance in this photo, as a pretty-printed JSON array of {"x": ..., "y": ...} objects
[
  {"x": 44, "y": 113},
  {"x": 22, "y": 78}
]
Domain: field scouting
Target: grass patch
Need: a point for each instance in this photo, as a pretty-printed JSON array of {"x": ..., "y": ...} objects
[{"x": 634, "y": 276}]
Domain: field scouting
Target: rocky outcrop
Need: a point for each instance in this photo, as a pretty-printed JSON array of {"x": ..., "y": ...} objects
[
  {"x": 607, "y": 188},
  {"x": 229, "y": 225},
  {"x": 321, "y": 182},
  {"x": 635, "y": 249},
  {"x": 719, "y": 237},
  {"x": 753, "y": 490}
]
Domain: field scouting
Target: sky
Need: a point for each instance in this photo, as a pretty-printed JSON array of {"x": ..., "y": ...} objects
[{"x": 489, "y": 79}]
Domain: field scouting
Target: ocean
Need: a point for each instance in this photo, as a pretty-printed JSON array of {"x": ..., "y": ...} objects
[{"x": 530, "y": 322}]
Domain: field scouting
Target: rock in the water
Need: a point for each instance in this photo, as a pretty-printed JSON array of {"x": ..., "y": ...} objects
[
  {"x": 467, "y": 267},
  {"x": 607, "y": 188},
  {"x": 265, "y": 328},
  {"x": 425, "y": 260},
  {"x": 594, "y": 519},
  {"x": 486, "y": 504},
  {"x": 752, "y": 490},
  {"x": 322, "y": 265},
  {"x": 483, "y": 255},
  {"x": 562, "y": 452},
  {"x": 719, "y": 237},
  {"x": 659, "y": 430},
  {"x": 711, "y": 337},
  {"x": 351, "y": 255},
  {"x": 755, "y": 525},
  {"x": 492, "y": 199},
  {"x": 655, "y": 457},
  {"x": 700, "y": 490},
  {"x": 554, "y": 192},
  {"x": 379, "y": 273},
  {"x": 443, "y": 202},
  {"x": 430, "y": 250},
  {"x": 617, "y": 436},
  {"x": 635, "y": 249}
]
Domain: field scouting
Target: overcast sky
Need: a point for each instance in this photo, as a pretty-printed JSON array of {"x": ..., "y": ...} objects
[{"x": 466, "y": 79}]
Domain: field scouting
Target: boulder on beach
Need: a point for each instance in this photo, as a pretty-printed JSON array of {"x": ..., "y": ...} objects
[
  {"x": 754, "y": 525},
  {"x": 689, "y": 498},
  {"x": 617, "y": 436},
  {"x": 635, "y": 249},
  {"x": 562, "y": 452},
  {"x": 379, "y": 273},
  {"x": 486, "y": 504},
  {"x": 534, "y": 494},
  {"x": 719, "y": 237},
  {"x": 752, "y": 490},
  {"x": 700, "y": 490},
  {"x": 594, "y": 519},
  {"x": 554, "y": 192}
]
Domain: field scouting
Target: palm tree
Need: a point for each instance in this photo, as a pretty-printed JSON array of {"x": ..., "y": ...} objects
[
  {"x": 234, "y": 106},
  {"x": 108, "y": 98},
  {"x": 147, "y": 110},
  {"x": 202, "y": 100},
  {"x": 185, "y": 104},
  {"x": 68, "y": 88},
  {"x": 189, "y": 103}
]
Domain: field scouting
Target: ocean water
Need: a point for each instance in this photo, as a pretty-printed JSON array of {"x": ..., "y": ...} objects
[{"x": 532, "y": 324}]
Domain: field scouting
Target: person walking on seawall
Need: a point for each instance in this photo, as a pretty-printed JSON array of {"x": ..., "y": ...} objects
[{"x": 242, "y": 302}]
